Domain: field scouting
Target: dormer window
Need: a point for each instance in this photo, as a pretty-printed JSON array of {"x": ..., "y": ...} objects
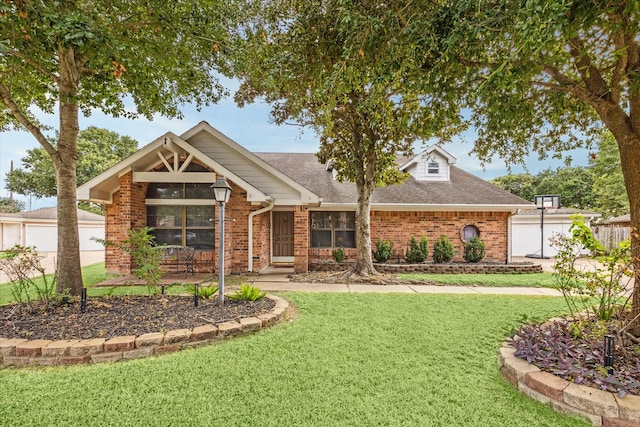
[{"x": 433, "y": 168}]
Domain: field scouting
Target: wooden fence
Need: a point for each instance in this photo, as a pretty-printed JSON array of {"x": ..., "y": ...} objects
[{"x": 611, "y": 236}]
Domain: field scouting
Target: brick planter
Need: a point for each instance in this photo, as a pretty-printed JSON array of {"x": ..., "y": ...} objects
[
  {"x": 21, "y": 352},
  {"x": 430, "y": 268},
  {"x": 600, "y": 407}
]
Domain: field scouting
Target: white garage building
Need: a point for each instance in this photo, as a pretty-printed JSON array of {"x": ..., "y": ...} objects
[
  {"x": 526, "y": 235},
  {"x": 39, "y": 228}
]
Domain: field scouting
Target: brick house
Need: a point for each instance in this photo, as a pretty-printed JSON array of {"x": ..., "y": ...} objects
[{"x": 288, "y": 208}]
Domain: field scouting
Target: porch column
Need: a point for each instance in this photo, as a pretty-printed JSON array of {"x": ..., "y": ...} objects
[{"x": 301, "y": 239}]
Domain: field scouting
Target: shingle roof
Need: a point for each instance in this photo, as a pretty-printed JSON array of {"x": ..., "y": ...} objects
[
  {"x": 560, "y": 211},
  {"x": 462, "y": 189}
]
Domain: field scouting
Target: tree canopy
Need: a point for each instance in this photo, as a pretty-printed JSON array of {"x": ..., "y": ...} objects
[
  {"x": 98, "y": 150},
  {"x": 334, "y": 66},
  {"x": 64, "y": 57},
  {"x": 545, "y": 76},
  {"x": 9, "y": 205}
]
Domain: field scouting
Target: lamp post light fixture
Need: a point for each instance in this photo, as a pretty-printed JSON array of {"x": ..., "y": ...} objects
[{"x": 221, "y": 193}]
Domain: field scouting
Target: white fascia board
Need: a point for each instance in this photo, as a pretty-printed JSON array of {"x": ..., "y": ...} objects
[{"x": 306, "y": 196}]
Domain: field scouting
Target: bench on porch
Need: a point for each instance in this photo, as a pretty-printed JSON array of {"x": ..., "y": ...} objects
[{"x": 178, "y": 256}]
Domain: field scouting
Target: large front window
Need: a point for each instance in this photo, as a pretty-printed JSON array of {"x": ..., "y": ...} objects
[
  {"x": 189, "y": 222},
  {"x": 333, "y": 229}
]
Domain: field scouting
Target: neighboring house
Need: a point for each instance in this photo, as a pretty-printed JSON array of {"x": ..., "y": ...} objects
[
  {"x": 288, "y": 208},
  {"x": 528, "y": 236},
  {"x": 39, "y": 228}
]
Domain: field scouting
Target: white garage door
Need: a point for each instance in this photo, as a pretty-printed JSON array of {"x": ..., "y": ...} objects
[
  {"x": 87, "y": 235},
  {"x": 43, "y": 237}
]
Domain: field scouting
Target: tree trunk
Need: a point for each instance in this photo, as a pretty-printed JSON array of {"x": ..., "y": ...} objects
[
  {"x": 68, "y": 264},
  {"x": 628, "y": 140},
  {"x": 364, "y": 261}
]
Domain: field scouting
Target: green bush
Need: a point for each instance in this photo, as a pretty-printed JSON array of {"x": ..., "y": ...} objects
[
  {"x": 247, "y": 293},
  {"x": 338, "y": 255},
  {"x": 204, "y": 292},
  {"x": 443, "y": 250},
  {"x": 475, "y": 250},
  {"x": 384, "y": 250},
  {"x": 418, "y": 251}
]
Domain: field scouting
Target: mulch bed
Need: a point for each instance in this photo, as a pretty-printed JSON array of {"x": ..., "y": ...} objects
[{"x": 108, "y": 317}]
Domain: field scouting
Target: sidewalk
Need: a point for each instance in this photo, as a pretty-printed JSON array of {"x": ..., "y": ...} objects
[
  {"x": 277, "y": 280},
  {"x": 279, "y": 286}
]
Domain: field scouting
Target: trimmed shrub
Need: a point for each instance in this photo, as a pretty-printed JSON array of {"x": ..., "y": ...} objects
[
  {"x": 475, "y": 250},
  {"x": 418, "y": 251},
  {"x": 338, "y": 255},
  {"x": 443, "y": 250},
  {"x": 384, "y": 250}
]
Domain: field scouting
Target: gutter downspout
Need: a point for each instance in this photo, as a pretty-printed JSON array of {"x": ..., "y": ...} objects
[{"x": 251, "y": 215}]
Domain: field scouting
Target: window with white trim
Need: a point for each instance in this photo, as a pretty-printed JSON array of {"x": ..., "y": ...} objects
[
  {"x": 333, "y": 229},
  {"x": 433, "y": 168},
  {"x": 190, "y": 223}
]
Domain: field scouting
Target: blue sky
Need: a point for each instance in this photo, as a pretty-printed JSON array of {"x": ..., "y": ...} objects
[{"x": 251, "y": 128}]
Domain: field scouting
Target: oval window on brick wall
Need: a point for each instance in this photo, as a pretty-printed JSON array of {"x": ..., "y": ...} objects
[{"x": 468, "y": 232}]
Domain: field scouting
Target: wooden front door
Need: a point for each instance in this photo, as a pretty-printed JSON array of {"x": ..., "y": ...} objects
[{"x": 282, "y": 236}]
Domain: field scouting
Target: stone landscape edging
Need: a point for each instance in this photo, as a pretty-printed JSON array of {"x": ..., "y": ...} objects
[
  {"x": 18, "y": 352},
  {"x": 600, "y": 407},
  {"x": 435, "y": 268}
]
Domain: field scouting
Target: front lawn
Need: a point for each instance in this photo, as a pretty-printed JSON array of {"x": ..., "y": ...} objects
[
  {"x": 536, "y": 280},
  {"x": 348, "y": 360}
]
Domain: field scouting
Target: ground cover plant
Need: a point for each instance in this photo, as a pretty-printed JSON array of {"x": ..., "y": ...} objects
[{"x": 347, "y": 360}]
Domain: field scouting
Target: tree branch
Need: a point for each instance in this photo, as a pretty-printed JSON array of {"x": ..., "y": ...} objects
[
  {"x": 37, "y": 65},
  {"x": 589, "y": 74},
  {"x": 8, "y": 101}
]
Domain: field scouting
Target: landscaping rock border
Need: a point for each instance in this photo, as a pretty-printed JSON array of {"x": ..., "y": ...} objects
[
  {"x": 601, "y": 408},
  {"x": 432, "y": 268},
  {"x": 21, "y": 352}
]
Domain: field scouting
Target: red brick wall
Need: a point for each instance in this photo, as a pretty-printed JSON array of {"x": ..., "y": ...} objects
[
  {"x": 127, "y": 212},
  {"x": 400, "y": 226},
  {"x": 301, "y": 238},
  {"x": 261, "y": 241}
]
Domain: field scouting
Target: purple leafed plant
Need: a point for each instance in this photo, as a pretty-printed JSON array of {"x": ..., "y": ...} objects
[{"x": 575, "y": 351}]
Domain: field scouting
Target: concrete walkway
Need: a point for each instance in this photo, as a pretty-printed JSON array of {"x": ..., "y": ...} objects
[
  {"x": 280, "y": 286},
  {"x": 277, "y": 280}
]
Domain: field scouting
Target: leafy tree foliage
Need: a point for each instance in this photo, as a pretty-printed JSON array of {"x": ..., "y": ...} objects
[
  {"x": 98, "y": 150},
  {"x": 544, "y": 76},
  {"x": 610, "y": 197},
  {"x": 339, "y": 67},
  {"x": 573, "y": 184},
  {"x": 64, "y": 57},
  {"x": 8, "y": 205}
]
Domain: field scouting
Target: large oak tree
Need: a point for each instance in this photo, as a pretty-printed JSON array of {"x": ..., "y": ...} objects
[
  {"x": 63, "y": 57},
  {"x": 341, "y": 68},
  {"x": 546, "y": 75}
]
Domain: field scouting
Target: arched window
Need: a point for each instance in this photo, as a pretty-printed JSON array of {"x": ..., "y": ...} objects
[{"x": 468, "y": 232}]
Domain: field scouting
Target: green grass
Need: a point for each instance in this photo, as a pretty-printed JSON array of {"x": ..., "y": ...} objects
[
  {"x": 544, "y": 279},
  {"x": 348, "y": 360}
]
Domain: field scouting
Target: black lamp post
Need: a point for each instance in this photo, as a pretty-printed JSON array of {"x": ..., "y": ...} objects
[{"x": 221, "y": 193}]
